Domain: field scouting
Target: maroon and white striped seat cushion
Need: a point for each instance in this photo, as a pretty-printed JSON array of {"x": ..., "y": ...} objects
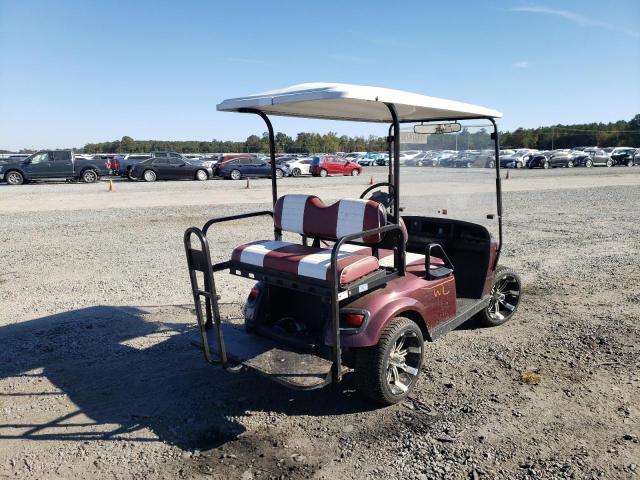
[
  {"x": 308, "y": 215},
  {"x": 306, "y": 261}
]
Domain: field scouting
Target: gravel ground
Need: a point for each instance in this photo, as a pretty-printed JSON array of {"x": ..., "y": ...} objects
[{"x": 98, "y": 378}]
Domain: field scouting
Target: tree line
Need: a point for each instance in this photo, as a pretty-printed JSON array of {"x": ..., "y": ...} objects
[{"x": 620, "y": 133}]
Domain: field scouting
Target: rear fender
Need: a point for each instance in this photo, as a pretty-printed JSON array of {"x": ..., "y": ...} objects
[{"x": 377, "y": 321}]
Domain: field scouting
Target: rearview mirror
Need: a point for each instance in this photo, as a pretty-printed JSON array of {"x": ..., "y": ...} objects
[{"x": 437, "y": 128}]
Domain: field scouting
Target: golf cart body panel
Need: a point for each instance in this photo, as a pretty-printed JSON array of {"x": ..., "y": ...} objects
[{"x": 359, "y": 266}]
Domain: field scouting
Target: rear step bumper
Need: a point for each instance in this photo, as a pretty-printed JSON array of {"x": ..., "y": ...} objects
[{"x": 292, "y": 368}]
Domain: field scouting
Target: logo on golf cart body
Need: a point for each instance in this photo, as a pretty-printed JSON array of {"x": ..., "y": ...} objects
[{"x": 441, "y": 290}]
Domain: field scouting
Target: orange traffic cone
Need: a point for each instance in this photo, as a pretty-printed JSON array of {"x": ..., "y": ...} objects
[
  {"x": 111, "y": 187},
  {"x": 371, "y": 181}
]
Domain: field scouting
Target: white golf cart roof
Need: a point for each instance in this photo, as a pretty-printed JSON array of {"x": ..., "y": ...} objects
[{"x": 342, "y": 101}]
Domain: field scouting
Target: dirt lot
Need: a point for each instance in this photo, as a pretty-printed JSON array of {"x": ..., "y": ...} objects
[{"x": 98, "y": 378}]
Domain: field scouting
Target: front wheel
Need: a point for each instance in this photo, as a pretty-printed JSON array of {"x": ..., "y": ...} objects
[
  {"x": 355, "y": 172},
  {"x": 235, "y": 175},
  {"x": 569, "y": 164},
  {"x": 609, "y": 163},
  {"x": 588, "y": 163},
  {"x": 546, "y": 165},
  {"x": 296, "y": 172},
  {"x": 323, "y": 173},
  {"x": 89, "y": 176},
  {"x": 490, "y": 165},
  {"x": 279, "y": 173},
  {"x": 149, "y": 176},
  {"x": 387, "y": 372},
  {"x": 14, "y": 178},
  {"x": 630, "y": 163},
  {"x": 505, "y": 298},
  {"x": 202, "y": 175}
]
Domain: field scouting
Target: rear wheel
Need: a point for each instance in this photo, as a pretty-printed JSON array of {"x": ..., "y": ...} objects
[
  {"x": 387, "y": 372},
  {"x": 569, "y": 164},
  {"x": 588, "y": 163},
  {"x": 491, "y": 164},
  {"x": 505, "y": 298},
  {"x": 296, "y": 172},
  {"x": 323, "y": 173},
  {"x": 202, "y": 175},
  {"x": 235, "y": 175},
  {"x": 14, "y": 178},
  {"x": 89, "y": 176},
  {"x": 149, "y": 176},
  {"x": 629, "y": 163},
  {"x": 279, "y": 173},
  {"x": 609, "y": 163},
  {"x": 546, "y": 165},
  {"x": 355, "y": 172}
]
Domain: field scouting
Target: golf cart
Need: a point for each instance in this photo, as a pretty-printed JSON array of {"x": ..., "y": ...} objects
[{"x": 361, "y": 288}]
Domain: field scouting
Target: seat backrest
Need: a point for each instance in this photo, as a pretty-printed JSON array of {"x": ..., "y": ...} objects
[{"x": 308, "y": 215}]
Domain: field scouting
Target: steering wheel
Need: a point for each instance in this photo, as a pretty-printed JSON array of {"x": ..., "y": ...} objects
[{"x": 383, "y": 198}]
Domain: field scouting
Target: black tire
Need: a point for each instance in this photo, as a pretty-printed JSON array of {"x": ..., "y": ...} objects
[
  {"x": 235, "y": 175},
  {"x": 89, "y": 176},
  {"x": 570, "y": 164},
  {"x": 609, "y": 163},
  {"x": 296, "y": 172},
  {"x": 13, "y": 177},
  {"x": 506, "y": 294},
  {"x": 201, "y": 175},
  {"x": 519, "y": 165},
  {"x": 491, "y": 164},
  {"x": 373, "y": 368},
  {"x": 149, "y": 176},
  {"x": 323, "y": 173},
  {"x": 629, "y": 163},
  {"x": 546, "y": 165},
  {"x": 129, "y": 174},
  {"x": 279, "y": 173},
  {"x": 355, "y": 172},
  {"x": 588, "y": 163}
]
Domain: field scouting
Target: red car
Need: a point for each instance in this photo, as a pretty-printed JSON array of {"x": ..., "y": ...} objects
[{"x": 329, "y": 165}]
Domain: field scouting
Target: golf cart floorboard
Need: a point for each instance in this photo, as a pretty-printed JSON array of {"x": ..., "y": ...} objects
[
  {"x": 465, "y": 309},
  {"x": 285, "y": 365}
]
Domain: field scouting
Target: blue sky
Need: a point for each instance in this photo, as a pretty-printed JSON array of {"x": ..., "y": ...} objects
[{"x": 73, "y": 72}]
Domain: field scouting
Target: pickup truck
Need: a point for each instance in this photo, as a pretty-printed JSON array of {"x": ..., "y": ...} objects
[{"x": 52, "y": 164}]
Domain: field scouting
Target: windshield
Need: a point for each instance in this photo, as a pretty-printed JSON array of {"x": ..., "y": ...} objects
[{"x": 460, "y": 180}]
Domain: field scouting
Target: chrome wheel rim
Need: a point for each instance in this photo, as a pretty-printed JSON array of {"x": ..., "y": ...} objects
[
  {"x": 13, "y": 178},
  {"x": 323, "y": 173},
  {"x": 354, "y": 173},
  {"x": 89, "y": 176},
  {"x": 505, "y": 296},
  {"x": 403, "y": 363},
  {"x": 278, "y": 173},
  {"x": 149, "y": 176},
  {"x": 202, "y": 175},
  {"x": 235, "y": 175}
]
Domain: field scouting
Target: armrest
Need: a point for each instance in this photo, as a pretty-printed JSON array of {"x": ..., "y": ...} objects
[
  {"x": 230, "y": 218},
  {"x": 427, "y": 260}
]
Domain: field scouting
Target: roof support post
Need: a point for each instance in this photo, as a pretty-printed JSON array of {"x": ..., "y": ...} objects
[
  {"x": 399, "y": 259},
  {"x": 272, "y": 153},
  {"x": 496, "y": 146}
]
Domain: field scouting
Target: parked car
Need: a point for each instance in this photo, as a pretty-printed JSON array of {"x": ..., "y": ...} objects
[
  {"x": 423, "y": 158},
  {"x": 300, "y": 166},
  {"x": 598, "y": 157},
  {"x": 368, "y": 159},
  {"x": 623, "y": 156},
  {"x": 539, "y": 160},
  {"x": 124, "y": 163},
  {"x": 475, "y": 160},
  {"x": 332, "y": 165},
  {"x": 50, "y": 164},
  {"x": 517, "y": 159},
  {"x": 167, "y": 168},
  {"x": 383, "y": 160},
  {"x": 562, "y": 158},
  {"x": 243, "y": 167}
]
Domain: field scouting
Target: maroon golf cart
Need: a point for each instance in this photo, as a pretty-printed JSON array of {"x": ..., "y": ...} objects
[{"x": 363, "y": 287}]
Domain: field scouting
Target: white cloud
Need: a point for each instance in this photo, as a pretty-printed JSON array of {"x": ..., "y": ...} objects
[
  {"x": 521, "y": 65},
  {"x": 578, "y": 19}
]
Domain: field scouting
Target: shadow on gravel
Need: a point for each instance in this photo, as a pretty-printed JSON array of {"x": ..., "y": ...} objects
[{"x": 128, "y": 373}]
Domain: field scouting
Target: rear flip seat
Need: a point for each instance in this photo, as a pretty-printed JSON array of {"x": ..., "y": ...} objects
[{"x": 308, "y": 215}]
